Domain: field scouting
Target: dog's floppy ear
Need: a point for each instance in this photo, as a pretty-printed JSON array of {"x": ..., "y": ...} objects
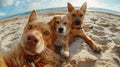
[
  {"x": 51, "y": 23},
  {"x": 33, "y": 16},
  {"x": 84, "y": 7},
  {"x": 70, "y": 7}
]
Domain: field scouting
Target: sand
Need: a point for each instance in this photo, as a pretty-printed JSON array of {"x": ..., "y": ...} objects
[{"x": 105, "y": 32}]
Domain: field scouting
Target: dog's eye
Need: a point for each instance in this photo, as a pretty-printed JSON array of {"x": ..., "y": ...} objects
[
  {"x": 73, "y": 15},
  {"x": 81, "y": 15},
  {"x": 46, "y": 33},
  {"x": 65, "y": 23},
  {"x": 30, "y": 27},
  {"x": 57, "y": 22}
]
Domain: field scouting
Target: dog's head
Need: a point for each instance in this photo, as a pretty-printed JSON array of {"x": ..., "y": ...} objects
[
  {"x": 77, "y": 16},
  {"x": 60, "y": 25},
  {"x": 36, "y": 35}
]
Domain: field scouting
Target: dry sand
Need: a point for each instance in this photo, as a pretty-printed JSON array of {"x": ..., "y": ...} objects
[{"x": 105, "y": 32}]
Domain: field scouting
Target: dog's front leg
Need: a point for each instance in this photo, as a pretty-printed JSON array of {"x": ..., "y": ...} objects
[
  {"x": 91, "y": 43},
  {"x": 65, "y": 50}
]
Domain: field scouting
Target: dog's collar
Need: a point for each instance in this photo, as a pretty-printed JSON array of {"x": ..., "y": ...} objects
[{"x": 31, "y": 60}]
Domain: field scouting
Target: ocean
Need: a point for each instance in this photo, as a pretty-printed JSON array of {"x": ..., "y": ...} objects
[{"x": 61, "y": 8}]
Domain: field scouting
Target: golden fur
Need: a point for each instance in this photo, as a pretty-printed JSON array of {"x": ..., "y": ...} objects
[
  {"x": 61, "y": 38},
  {"x": 36, "y": 53},
  {"x": 77, "y": 18}
]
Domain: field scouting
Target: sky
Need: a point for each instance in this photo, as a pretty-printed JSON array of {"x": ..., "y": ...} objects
[{"x": 12, "y": 7}]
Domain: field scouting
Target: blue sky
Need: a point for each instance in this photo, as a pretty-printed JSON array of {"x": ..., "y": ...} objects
[{"x": 11, "y": 7}]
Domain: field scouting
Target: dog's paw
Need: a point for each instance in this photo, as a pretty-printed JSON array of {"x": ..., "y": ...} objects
[
  {"x": 73, "y": 62},
  {"x": 65, "y": 53},
  {"x": 97, "y": 49}
]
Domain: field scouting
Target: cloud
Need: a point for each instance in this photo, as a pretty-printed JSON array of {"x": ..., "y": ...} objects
[
  {"x": 42, "y": 4},
  {"x": 117, "y": 7},
  {"x": 33, "y": 5},
  {"x": 17, "y": 3},
  {"x": 4, "y": 3},
  {"x": 57, "y": 3},
  {"x": 30, "y": 4},
  {"x": 2, "y": 14},
  {"x": 96, "y": 3}
]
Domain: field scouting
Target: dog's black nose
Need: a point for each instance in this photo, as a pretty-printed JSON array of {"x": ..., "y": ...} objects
[
  {"x": 77, "y": 21},
  {"x": 60, "y": 29}
]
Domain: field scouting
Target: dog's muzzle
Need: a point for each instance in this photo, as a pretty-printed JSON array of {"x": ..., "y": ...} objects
[
  {"x": 77, "y": 21},
  {"x": 32, "y": 40},
  {"x": 61, "y": 30}
]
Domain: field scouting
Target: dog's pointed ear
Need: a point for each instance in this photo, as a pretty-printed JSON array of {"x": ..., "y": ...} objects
[
  {"x": 33, "y": 16},
  {"x": 51, "y": 22},
  {"x": 84, "y": 7},
  {"x": 70, "y": 7}
]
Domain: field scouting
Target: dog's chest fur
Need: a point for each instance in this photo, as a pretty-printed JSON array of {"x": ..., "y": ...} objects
[
  {"x": 59, "y": 40},
  {"x": 46, "y": 57}
]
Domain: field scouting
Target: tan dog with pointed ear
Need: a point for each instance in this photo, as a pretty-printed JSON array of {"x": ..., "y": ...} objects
[
  {"x": 37, "y": 43},
  {"x": 61, "y": 27},
  {"x": 77, "y": 18},
  {"x": 35, "y": 49}
]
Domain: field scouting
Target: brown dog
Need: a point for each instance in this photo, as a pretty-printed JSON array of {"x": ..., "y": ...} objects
[
  {"x": 39, "y": 36},
  {"x": 61, "y": 27},
  {"x": 77, "y": 17},
  {"x": 33, "y": 50}
]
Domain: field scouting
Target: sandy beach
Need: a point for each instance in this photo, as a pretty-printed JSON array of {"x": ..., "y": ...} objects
[{"x": 105, "y": 32}]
